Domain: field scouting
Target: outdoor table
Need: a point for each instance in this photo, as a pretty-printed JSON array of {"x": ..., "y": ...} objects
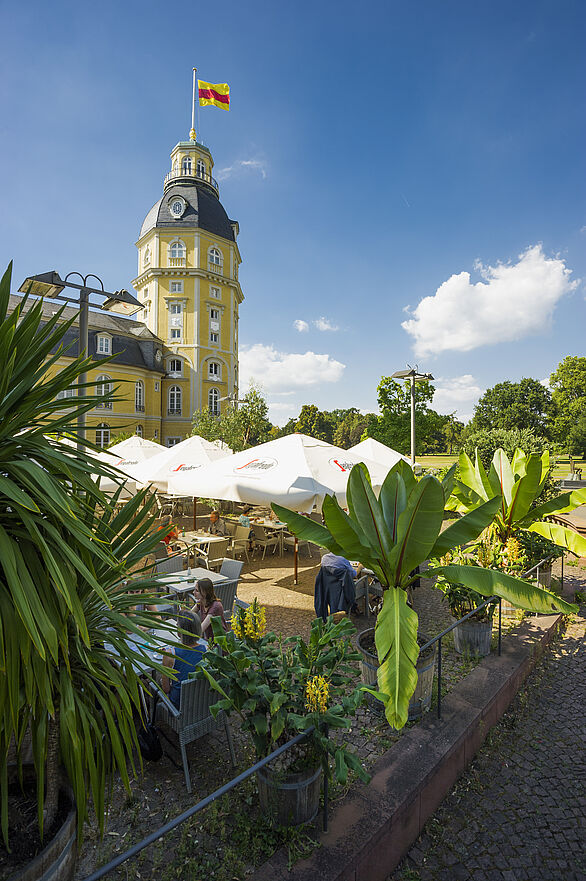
[
  {"x": 183, "y": 582},
  {"x": 194, "y": 540}
]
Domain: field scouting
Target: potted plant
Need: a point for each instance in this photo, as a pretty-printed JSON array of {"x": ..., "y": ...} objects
[
  {"x": 279, "y": 688},
  {"x": 473, "y": 636},
  {"x": 64, "y": 556},
  {"x": 394, "y": 534}
]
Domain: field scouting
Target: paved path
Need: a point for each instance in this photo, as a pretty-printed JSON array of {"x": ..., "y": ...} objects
[{"x": 519, "y": 812}]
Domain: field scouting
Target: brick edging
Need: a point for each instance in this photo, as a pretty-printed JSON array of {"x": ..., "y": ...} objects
[{"x": 373, "y": 827}]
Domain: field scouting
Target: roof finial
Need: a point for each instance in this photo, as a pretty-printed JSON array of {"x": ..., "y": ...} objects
[{"x": 193, "y": 135}]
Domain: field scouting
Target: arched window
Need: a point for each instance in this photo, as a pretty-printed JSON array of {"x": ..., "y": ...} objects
[
  {"x": 177, "y": 253},
  {"x": 139, "y": 396},
  {"x": 186, "y": 165},
  {"x": 102, "y": 435},
  {"x": 66, "y": 393},
  {"x": 215, "y": 257},
  {"x": 214, "y": 401},
  {"x": 201, "y": 168},
  {"x": 139, "y": 431},
  {"x": 174, "y": 408},
  {"x": 104, "y": 387},
  {"x": 214, "y": 370},
  {"x": 147, "y": 256}
]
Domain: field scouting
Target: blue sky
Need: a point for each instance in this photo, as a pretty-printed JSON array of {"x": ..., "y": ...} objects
[{"x": 409, "y": 177}]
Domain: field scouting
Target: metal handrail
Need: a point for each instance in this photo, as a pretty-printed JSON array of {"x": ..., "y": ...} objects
[
  {"x": 204, "y": 177},
  {"x": 190, "y": 812}
]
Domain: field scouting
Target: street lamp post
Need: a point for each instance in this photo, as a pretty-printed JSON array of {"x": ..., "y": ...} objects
[
  {"x": 50, "y": 284},
  {"x": 413, "y": 376}
]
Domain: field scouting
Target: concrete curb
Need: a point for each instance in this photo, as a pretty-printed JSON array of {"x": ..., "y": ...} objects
[{"x": 372, "y": 829}]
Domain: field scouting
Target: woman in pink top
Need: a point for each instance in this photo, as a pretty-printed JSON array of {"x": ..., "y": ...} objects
[{"x": 208, "y": 606}]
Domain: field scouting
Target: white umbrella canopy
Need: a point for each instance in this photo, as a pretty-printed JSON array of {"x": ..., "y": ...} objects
[
  {"x": 295, "y": 471},
  {"x": 184, "y": 457},
  {"x": 126, "y": 456},
  {"x": 378, "y": 452}
]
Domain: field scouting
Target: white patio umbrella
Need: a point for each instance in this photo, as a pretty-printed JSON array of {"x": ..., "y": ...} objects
[
  {"x": 296, "y": 471},
  {"x": 126, "y": 456},
  {"x": 185, "y": 457},
  {"x": 377, "y": 452}
]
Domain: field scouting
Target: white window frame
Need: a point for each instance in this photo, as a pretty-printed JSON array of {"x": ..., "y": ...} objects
[
  {"x": 139, "y": 431},
  {"x": 214, "y": 402},
  {"x": 174, "y": 401},
  {"x": 200, "y": 169},
  {"x": 103, "y": 387},
  {"x": 213, "y": 373},
  {"x": 175, "y": 287},
  {"x": 175, "y": 334},
  {"x": 104, "y": 344},
  {"x": 102, "y": 434},
  {"x": 186, "y": 165},
  {"x": 215, "y": 292},
  {"x": 66, "y": 393},
  {"x": 146, "y": 260},
  {"x": 173, "y": 440},
  {"x": 178, "y": 368},
  {"x": 139, "y": 403},
  {"x": 215, "y": 256}
]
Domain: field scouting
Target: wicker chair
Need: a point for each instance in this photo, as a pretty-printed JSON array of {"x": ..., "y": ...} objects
[
  {"x": 170, "y": 565},
  {"x": 193, "y": 718}
]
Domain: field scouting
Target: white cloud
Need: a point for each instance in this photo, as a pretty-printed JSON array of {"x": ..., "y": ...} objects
[
  {"x": 240, "y": 165},
  {"x": 324, "y": 324},
  {"x": 282, "y": 371},
  {"x": 300, "y": 325},
  {"x": 456, "y": 393},
  {"x": 513, "y": 301}
]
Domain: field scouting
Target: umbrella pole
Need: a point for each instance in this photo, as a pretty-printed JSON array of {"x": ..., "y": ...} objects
[
  {"x": 194, "y": 513},
  {"x": 295, "y": 581}
]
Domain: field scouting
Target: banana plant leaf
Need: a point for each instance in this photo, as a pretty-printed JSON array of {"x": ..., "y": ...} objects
[
  {"x": 396, "y": 644},
  {"x": 561, "y": 536},
  {"x": 522, "y": 594}
]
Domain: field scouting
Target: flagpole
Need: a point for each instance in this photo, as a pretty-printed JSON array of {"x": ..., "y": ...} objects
[{"x": 193, "y": 133}]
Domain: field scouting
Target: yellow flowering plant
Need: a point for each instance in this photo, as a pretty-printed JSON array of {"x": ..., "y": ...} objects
[{"x": 282, "y": 686}]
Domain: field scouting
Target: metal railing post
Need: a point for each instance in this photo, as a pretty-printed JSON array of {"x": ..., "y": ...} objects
[
  {"x": 326, "y": 790},
  {"x": 439, "y": 678}
]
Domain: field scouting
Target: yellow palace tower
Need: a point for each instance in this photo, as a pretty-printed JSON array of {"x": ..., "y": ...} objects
[{"x": 188, "y": 286}]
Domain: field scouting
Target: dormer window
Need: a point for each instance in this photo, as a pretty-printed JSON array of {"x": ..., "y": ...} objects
[
  {"x": 176, "y": 366},
  {"x": 214, "y": 370},
  {"x": 104, "y": 344},
  {"x": 177, "y": 206}
]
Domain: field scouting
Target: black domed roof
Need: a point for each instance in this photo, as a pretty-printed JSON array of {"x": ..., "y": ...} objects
[{"x": 204, "y": 210}]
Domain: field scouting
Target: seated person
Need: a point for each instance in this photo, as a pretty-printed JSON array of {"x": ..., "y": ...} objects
[
  {"x": 217, "y": 525},
  {"x": 208, "y": 606},
  {"x": 332, "y": 561},
  {"x": 244, "y": 519},
  {"x": 172, "y": 535},
  {"x": 186, "y": 657}
]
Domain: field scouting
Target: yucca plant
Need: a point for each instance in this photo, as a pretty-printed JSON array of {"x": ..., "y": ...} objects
[
  {"x": 64, "y": 554},
  {"x": 394, "y": 534},
  {"x": 518, "y": 484}
]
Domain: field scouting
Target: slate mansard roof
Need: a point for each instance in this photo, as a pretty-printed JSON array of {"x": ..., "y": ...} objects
[
  {"x": 133, "y": 344},
  {"x": 204, "y": 211}
]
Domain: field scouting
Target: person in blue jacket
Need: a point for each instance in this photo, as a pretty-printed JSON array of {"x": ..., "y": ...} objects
[{"x": 334, "y": 586}]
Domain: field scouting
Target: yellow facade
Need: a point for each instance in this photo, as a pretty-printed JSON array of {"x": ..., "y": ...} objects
[{"x": 187, "y": 280}]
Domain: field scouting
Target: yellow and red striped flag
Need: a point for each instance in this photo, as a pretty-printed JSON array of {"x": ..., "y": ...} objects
[{"x": 217, "y": 94}]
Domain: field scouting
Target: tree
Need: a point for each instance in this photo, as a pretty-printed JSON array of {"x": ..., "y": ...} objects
[
  {"x": 509, "y": 405},
  {"x": 238, "y": 427},
  {"x": 568, "y": 386},
  {"x": 577, "y": 438},
  {"x": 487, "y": 442},
  {"x": 314, "y": 423},
  {"x": 352, "y": 427},
  {"x": 393, "y": 426},
  {"x": 452, "y": 432}
]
